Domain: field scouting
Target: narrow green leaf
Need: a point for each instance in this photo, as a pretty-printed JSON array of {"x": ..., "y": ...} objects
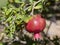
[
  {"x": 38, "y": 7},
  {"x": 9, "y": 19},
  {"x": 29, "y": 8},
  {"x": 8, "y": 11},
  {"x": 18, "y": 16}
]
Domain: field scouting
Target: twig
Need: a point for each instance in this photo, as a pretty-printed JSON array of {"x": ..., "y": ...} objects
[{"x": 32, "y": 12}]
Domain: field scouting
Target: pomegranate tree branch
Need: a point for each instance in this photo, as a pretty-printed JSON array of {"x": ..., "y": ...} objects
[{"x": 32, "y": 12}]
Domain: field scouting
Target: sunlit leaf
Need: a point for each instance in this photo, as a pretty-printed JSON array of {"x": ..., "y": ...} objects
[
  {"x": 31, "y": 1},
  {"x": 17, "y": 1},
  {"x": 38, "y": 7},
  {"x": 8, "y": 11},
  {"x": 9, "y": 19},
  {"x": 26, "y": 19},
  {"x": 29, "y": 8},
  {"x": 18, "y": 16}
]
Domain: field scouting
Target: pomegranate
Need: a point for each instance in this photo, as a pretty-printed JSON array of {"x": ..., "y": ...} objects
[{"x": 35, "y": 25}]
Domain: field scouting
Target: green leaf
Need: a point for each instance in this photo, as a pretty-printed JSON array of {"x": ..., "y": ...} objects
[
  {"x": 29, "y": 8},
  {"x": 8, "y": 11},
  {"x": 9, "y": 19},
  {"x": 17, "y": 1},
  {"x": 4, "y": 9},
  {"x": 18, "y": 16},
  {"x": 38, "y": 7},
  {"x": 18, "y": 22},
  {"x": 12, "y": 30},
  {"x": 26, "y": 18},
  {"x": 22, "y": 5},
  {"x": 31, "y": 1}
]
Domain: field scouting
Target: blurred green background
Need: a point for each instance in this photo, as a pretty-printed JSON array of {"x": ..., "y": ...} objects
[{"x": 3, "y": 3}]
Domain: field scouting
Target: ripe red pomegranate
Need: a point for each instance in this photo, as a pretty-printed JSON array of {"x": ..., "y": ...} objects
[{"x": 35, "y": 25}]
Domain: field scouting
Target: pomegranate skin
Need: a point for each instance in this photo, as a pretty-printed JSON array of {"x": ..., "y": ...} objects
[{"x": 36, "y": 24}]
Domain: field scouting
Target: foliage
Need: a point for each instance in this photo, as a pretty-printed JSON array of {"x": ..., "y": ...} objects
[{"x": 17, "y": 13}]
